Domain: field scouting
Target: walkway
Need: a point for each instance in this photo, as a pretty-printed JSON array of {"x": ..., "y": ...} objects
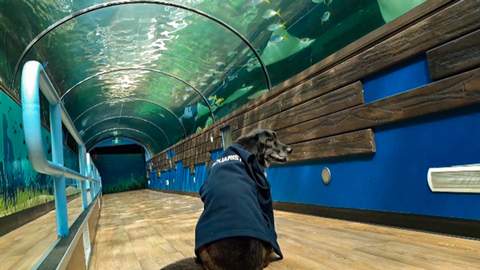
[
  {"x": 142, "y": 230},
  {"x": 22, "y": 248}
]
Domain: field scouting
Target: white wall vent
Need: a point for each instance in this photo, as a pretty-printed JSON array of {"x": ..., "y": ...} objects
[{"x": 459, "y": 179}]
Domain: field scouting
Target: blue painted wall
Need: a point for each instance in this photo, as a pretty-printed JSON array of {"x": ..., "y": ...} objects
[
  {"x": 394, "y": 179},
  {"x": 410, "y": 74},
  {"x": 180, "y": 178}
]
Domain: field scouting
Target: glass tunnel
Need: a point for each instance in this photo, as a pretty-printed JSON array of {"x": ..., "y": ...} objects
[{"x": 346, "y": 128}]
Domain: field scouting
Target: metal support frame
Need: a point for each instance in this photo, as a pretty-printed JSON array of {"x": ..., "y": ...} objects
[
  {"x": 148, "y": 152},
  {"x": 92, "y": 171},
  {"x": 59, "y": 181},
  {"x": 82, "y": 158},
  {"x": 131, "y": 2},
  {"x": 116, "y": 129},
  {"x": 205, "y": 100},
  {"x": 34, "y": 80},
  {"x": 146, "y": 146},
  {"x": 125, "y": 100},
  {"x": 128, "y": 117}
]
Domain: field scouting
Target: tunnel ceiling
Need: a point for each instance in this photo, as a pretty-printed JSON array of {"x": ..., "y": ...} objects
[{"x": 157, "y": 71}]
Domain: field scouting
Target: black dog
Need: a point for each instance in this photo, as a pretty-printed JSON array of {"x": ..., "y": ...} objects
[{"x": 236, "y": 229}]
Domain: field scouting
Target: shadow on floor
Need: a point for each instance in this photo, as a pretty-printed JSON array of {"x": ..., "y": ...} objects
[{"x": 184, "y": 264}]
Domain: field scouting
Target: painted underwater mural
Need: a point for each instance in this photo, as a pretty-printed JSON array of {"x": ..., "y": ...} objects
[
  {"x": 122, "y": 167},
  {"x": 20, "y": 186}
]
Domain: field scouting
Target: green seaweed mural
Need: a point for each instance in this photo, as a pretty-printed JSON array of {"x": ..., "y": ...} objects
[
  {"x": 20, "y": 186},
  {"x": 121, "y": 171}
]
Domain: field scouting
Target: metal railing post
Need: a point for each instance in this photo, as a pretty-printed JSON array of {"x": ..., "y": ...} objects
[
  {"x": 90, "y": 174},
  {"x": 34, "y": 81},
  {"x": 57, "y": 158},
  {"x": 82, "y": 160}
]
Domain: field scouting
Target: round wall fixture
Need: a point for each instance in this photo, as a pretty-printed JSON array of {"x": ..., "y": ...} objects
[{"x": 326, "y": 175}]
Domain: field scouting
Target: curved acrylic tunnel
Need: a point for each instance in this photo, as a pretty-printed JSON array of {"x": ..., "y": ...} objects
[
  {"x": 168, "y": 64},
  {"x": 197, "y": 60},
  {"x": 187, "y": 86},
  {"x": 153, "y": 130},
  {"x": 123, "y": 132}
]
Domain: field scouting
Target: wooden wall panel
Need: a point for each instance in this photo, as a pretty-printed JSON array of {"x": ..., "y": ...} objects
[
  {"x": 348, "y": 144},
  {"x": 455, "y": 56},
  {"x": 343, "y": 98},
  {"x": 458, "y": 91}
]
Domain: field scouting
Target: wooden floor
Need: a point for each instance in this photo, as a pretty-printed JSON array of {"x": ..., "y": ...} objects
[
  {"x": 23, "y": 247},
  {"x": 150, "y": 230}
]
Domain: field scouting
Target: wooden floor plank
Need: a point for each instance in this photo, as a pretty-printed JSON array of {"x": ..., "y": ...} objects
[{"x": 150, "y": 230}]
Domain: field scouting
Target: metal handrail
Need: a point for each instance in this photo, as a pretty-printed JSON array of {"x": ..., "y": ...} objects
[{"x": 34, "y": 78}]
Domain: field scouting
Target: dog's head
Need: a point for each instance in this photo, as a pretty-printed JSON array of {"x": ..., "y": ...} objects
[{"x": 264, "y": 144}]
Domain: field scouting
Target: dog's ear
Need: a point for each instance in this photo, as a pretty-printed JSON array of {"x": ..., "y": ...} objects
[
  {"x": 247, "y": 140},
  {"x": 265, "y": 135}
]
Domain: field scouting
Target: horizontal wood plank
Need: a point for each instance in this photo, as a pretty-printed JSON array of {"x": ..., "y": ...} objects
[
  {"x": 343, "y": 98},
  {"x": 455, "y": 56},
  {"x": 348, "y": 144},
  {"x": 453, "y": 92}
]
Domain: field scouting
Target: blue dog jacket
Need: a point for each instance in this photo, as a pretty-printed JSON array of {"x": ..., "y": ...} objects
[{"x": 237, "y": 201}]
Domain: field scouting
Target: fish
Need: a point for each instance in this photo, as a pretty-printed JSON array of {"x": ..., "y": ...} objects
[
  {"x": 219, "y": 101},
  {"x": 251, "y": 64},
  {"x": 326, "y": 16},
  {"x": 277, "y": 38},
  {"x": 232, "y": 77},
  {"x": 257, "y": 2},
  {"x": 325, "y": 2},
  {"x": 270, "y": 13},
  {"x": 306, "y": 41},
  {"x": 275, "y": 26},
  {"x": 238, "y": 94}
]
